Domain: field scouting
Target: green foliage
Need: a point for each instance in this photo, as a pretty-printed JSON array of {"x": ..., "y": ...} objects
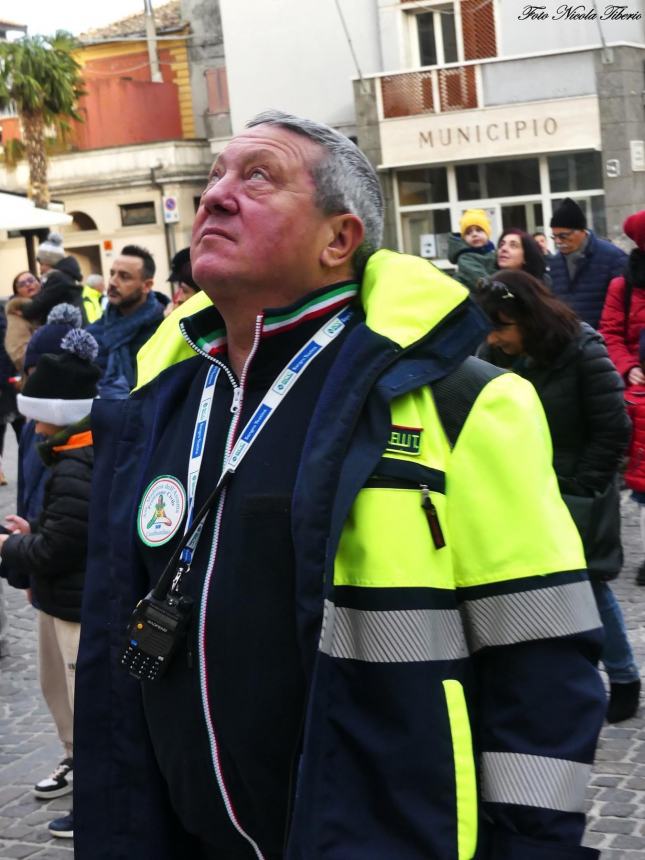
[
  {"x": 40, "y": 76},
  {"x": 14, "y": 151}
]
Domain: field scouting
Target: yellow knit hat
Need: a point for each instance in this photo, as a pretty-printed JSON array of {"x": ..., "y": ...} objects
[{"x": 475, "y": 218}]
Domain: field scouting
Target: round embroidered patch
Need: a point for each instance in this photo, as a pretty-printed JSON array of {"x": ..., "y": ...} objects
[{"x": 161, "y": 510}]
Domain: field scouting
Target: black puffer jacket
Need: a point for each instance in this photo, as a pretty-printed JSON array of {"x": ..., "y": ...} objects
[
  {"x": 54, "y": 554},
  {"x": 582, "y": 395},
  {"x": 62, "y": 284}
]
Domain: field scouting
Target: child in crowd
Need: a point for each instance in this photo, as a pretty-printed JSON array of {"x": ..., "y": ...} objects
[
  {"x": 50, "y": 551},
  {"x": 472, "y": 252}
]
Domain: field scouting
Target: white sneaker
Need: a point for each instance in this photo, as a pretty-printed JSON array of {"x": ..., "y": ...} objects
[{"x": 58, "y": 783}]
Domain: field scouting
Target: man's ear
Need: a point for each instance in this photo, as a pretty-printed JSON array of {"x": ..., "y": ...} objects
[
  {"x": 148, "y": 284},
  {"x": 346, "y": 235}
]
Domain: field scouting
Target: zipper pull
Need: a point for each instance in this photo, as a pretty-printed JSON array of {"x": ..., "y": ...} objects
[
  {"x": 237, "y": 396},
  {"x": 432, "y": 517}
]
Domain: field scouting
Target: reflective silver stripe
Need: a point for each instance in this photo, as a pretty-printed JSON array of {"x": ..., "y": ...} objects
[
  {"x": 393, "y": 636},
  {"x": 531, "y": 780},
  {"x": 543, "y": 613}
]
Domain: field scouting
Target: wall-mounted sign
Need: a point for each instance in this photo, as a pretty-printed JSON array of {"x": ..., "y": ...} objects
[
  {"x": 428, "y": 245},
  {"x": 519, "y": 129},
  {"x": 170, "y": 210},
  {"x": 612, "y": 168},
  {"x": 637, "y": 152}
]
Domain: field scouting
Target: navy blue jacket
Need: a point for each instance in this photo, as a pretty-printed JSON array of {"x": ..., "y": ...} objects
[
  {"x": 121, "y": 804},
  {"x": 601, "y": 262}
]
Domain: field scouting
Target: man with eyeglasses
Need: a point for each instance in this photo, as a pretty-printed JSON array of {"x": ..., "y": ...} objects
[{"x": 584, "y": 264}]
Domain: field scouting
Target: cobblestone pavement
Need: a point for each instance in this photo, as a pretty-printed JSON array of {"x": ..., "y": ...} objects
[{"x": 29, "y": 747}]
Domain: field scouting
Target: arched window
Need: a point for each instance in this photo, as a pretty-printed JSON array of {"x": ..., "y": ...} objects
[{"x": 81, "y": 221}]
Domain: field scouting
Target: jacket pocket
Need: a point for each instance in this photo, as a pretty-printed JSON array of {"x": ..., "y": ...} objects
[
  {"x": 396, "y": 534},
  {"x": 465, "y": 777}
]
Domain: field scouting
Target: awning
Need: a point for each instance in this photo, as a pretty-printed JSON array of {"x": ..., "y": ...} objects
[{"x": 19, "y": 213}]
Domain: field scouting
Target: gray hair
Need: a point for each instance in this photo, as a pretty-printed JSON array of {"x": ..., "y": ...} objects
[
  {"x": 344, "y": 179},
  {"x": 94, "y": 279}
]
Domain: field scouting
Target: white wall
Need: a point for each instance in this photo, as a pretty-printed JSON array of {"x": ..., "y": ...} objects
[
  {"x": 531, "y": 36},
  {"x": 293, "y": 55},
  {"x": 516, "y": 36}
]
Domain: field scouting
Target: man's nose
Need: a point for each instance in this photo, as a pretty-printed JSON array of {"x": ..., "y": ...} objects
[
  {"x": 222, "y": 194},
  {"x": 492, "y": 338}
]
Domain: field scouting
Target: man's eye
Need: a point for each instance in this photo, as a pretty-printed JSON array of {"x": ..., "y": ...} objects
[{"x": 257, "y": 173}]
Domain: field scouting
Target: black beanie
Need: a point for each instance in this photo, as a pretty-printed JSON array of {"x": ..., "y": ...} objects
[
  {"x": 180, "y": 269},
  {"x": 61, "y": 388},
  {"x": 569, "y": 216}
]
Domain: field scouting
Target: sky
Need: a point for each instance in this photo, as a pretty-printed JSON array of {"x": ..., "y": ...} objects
[{"x": 45, "y": 16}]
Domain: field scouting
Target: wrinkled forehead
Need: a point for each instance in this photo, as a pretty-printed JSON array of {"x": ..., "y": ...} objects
[{"x": 273, "y": 142}]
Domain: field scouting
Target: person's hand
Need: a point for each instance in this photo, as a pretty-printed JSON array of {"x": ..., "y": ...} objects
[
  {"x": 636, "y": 376},
  {"x": 17, "y": 524}
]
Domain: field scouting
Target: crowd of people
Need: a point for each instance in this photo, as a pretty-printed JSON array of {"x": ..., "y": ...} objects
[
  {"x": 64, "y": 340},
  {"x": 362, "y": 622}
]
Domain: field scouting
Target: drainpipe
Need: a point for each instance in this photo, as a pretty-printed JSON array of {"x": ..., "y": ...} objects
[
  {"x": 167, "y": 228},
  {"x": 151, "y": 39}
]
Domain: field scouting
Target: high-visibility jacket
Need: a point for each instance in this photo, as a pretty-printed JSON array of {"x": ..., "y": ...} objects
[
  {"x": 92, "y": 304},
  {"x": 446, "y": 624}
]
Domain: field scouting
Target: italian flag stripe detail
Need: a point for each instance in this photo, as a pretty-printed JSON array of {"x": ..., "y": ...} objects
[{"x": 316, "y": 307}]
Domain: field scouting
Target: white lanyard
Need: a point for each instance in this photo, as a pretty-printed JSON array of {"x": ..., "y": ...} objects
[{"x": 275, "y": 395}]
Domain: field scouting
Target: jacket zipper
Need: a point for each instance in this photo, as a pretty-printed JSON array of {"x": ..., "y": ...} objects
[
  {"x": 427, "y": 504},
  {"x": 236, "y": 409},
  {"x": 433, "y": 518}
]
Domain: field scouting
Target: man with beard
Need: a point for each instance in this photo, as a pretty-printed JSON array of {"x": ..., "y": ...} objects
[{"x": 131, "y": 317}]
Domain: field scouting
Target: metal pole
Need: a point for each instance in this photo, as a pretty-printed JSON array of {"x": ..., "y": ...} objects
[{"x": 151, "y": 39}]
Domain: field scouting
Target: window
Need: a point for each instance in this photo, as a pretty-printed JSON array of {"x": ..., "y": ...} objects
[
  {"x": 575, "y": 171},
  {"x": 450, "y": 32},
  {"x": 512, "y": 178},
  {"x": 217, "y": 90},
  {"x": 133, "y": 214},
  {"x": 505, "y": 178},
  {"x": 425, "y": 234},
  {"x": 427, "y": 185},
  {"x": 436, "y": 36}
]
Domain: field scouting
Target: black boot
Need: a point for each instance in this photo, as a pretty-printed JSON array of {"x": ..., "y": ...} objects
[
  {"x": 623, "y": 701},
  {"x": 640, "y": 574}
]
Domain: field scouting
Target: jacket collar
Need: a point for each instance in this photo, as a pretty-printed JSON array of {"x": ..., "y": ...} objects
[
  {"x": 78, "y": 435},
  {"x": 403, "y": 297},
  {"x": 205, "y": 332}
]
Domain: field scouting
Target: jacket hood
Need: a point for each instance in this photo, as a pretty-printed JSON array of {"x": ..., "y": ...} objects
[
  {"x": 69, "y": 266},
  {"x": 403, "y": 297},
  {"x": 456, "y": 246}
]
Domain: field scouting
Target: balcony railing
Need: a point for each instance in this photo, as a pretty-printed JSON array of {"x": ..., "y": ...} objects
[{"x": 431, "y": 91}]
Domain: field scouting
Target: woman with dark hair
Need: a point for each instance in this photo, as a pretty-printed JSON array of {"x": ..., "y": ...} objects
[
  {"x": 539, "y": 337},
  {"x": 25, "y": 285},
  {"x": 518, "y": 251},
  {"x": 17, "y": 330}
]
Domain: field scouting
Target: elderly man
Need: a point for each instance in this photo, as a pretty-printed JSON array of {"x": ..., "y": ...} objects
[
  {"x": 584, "y": 264},
  {"x": 368, "y": 632},
  {"x": 94, "y": 298},
  {"x": 131, "y": 317}
]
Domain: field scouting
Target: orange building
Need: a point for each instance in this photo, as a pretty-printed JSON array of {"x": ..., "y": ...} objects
[{"x": 122, "y": 105}]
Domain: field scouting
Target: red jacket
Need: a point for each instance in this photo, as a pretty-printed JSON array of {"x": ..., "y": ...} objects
[{"x": 622, "y": 339}]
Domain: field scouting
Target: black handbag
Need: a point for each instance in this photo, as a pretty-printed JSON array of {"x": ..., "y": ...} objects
[{"x": 598, "y": 520}]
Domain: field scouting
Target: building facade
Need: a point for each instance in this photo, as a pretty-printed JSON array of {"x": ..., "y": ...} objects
[
  {"x": 485, "y": 105},
  {"x": 133, "y": 170}
]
